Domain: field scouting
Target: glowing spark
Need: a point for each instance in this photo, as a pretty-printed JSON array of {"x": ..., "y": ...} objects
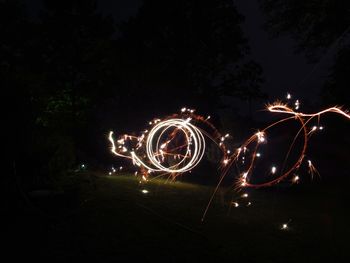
[
  {"x": 273, "y": 169},
  {"x": 284, "y": 227},
  {"x": 296, "y": 179},
  {"x": 312, "y": 169},
  {"x": 261, "y": 136},
  {"x": 245, "y": 195},
  {"x": 289, "y": 96},
  {"x": 297, "y": 104},
  {"x": 144, "y": 191},
  {"x": 245, "y": 175},
  {"x": 235, "y": 204}
]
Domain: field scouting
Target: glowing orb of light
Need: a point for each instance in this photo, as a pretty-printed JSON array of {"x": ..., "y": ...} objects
[{"x": 195, "y": 145}]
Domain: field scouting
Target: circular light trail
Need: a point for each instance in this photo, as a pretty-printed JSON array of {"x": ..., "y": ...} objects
[{"x": 172, "y": 146}]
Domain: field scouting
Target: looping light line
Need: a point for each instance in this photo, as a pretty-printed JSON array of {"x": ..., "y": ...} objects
[
  {"x": 153, "y": 153},
  {"x": 245, "y": 177},
  {"x": 303, "y": 132},
  {"x": 176, "y": 145},
  {"x": 172, "y": 146}
]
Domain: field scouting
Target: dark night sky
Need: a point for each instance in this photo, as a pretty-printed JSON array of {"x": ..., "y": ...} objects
[
  {"x": 270, "y": 53},
  {"x": 284, "y": 70}
]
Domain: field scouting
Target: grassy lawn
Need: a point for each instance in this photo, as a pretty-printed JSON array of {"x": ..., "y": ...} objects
[{"x": 111, "y": 219}]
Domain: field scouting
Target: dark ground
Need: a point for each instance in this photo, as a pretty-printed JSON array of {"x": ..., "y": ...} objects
[{"x": 108, "y": 219}]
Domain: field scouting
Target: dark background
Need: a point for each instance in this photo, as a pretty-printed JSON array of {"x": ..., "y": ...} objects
[
  {"x": 74, "y": 70},
  {"x": 78, "y": 69}
]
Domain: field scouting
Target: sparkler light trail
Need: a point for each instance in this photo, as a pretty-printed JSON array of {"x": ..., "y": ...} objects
[
  {"x": 172, "y": 146},
  {"x": 177, "y": 144},
  {"x": 259, "y": 138}
]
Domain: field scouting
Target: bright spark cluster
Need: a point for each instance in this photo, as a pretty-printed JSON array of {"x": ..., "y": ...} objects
[
  {"x": 177, "y": 144},
  {"x": 259, "y": 138},
  {"x": 172, "y": 146}
]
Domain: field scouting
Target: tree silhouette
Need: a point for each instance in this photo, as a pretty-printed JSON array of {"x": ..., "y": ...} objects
[
  {"x": 317, "y": 26},
  {"x": 16, "y": 30},
  {"x": 182, "y": 52},
  {"x": 73, "y": 72},
  {"x": 62, "y": 69},
  {"x": 336, "y": 90}
]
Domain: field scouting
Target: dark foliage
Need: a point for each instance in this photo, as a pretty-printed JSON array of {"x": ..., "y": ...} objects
[
  {"x": 75, "y": 75},
  {"x": 318, "y": 27}
]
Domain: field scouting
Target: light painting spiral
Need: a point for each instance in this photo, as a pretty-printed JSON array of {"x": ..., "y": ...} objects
[
  {"x": 172, "y": 146},
  {"x": 177, "y": 144}
]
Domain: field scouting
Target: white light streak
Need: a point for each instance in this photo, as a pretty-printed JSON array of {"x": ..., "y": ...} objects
[
  {"x": 296, "y": 179},
  {"x": 273, "y": 169},
  {"x": 297, "y": 105},
  {"x": 195, "y": 148},
  {"x": 261, "y": 137}
]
